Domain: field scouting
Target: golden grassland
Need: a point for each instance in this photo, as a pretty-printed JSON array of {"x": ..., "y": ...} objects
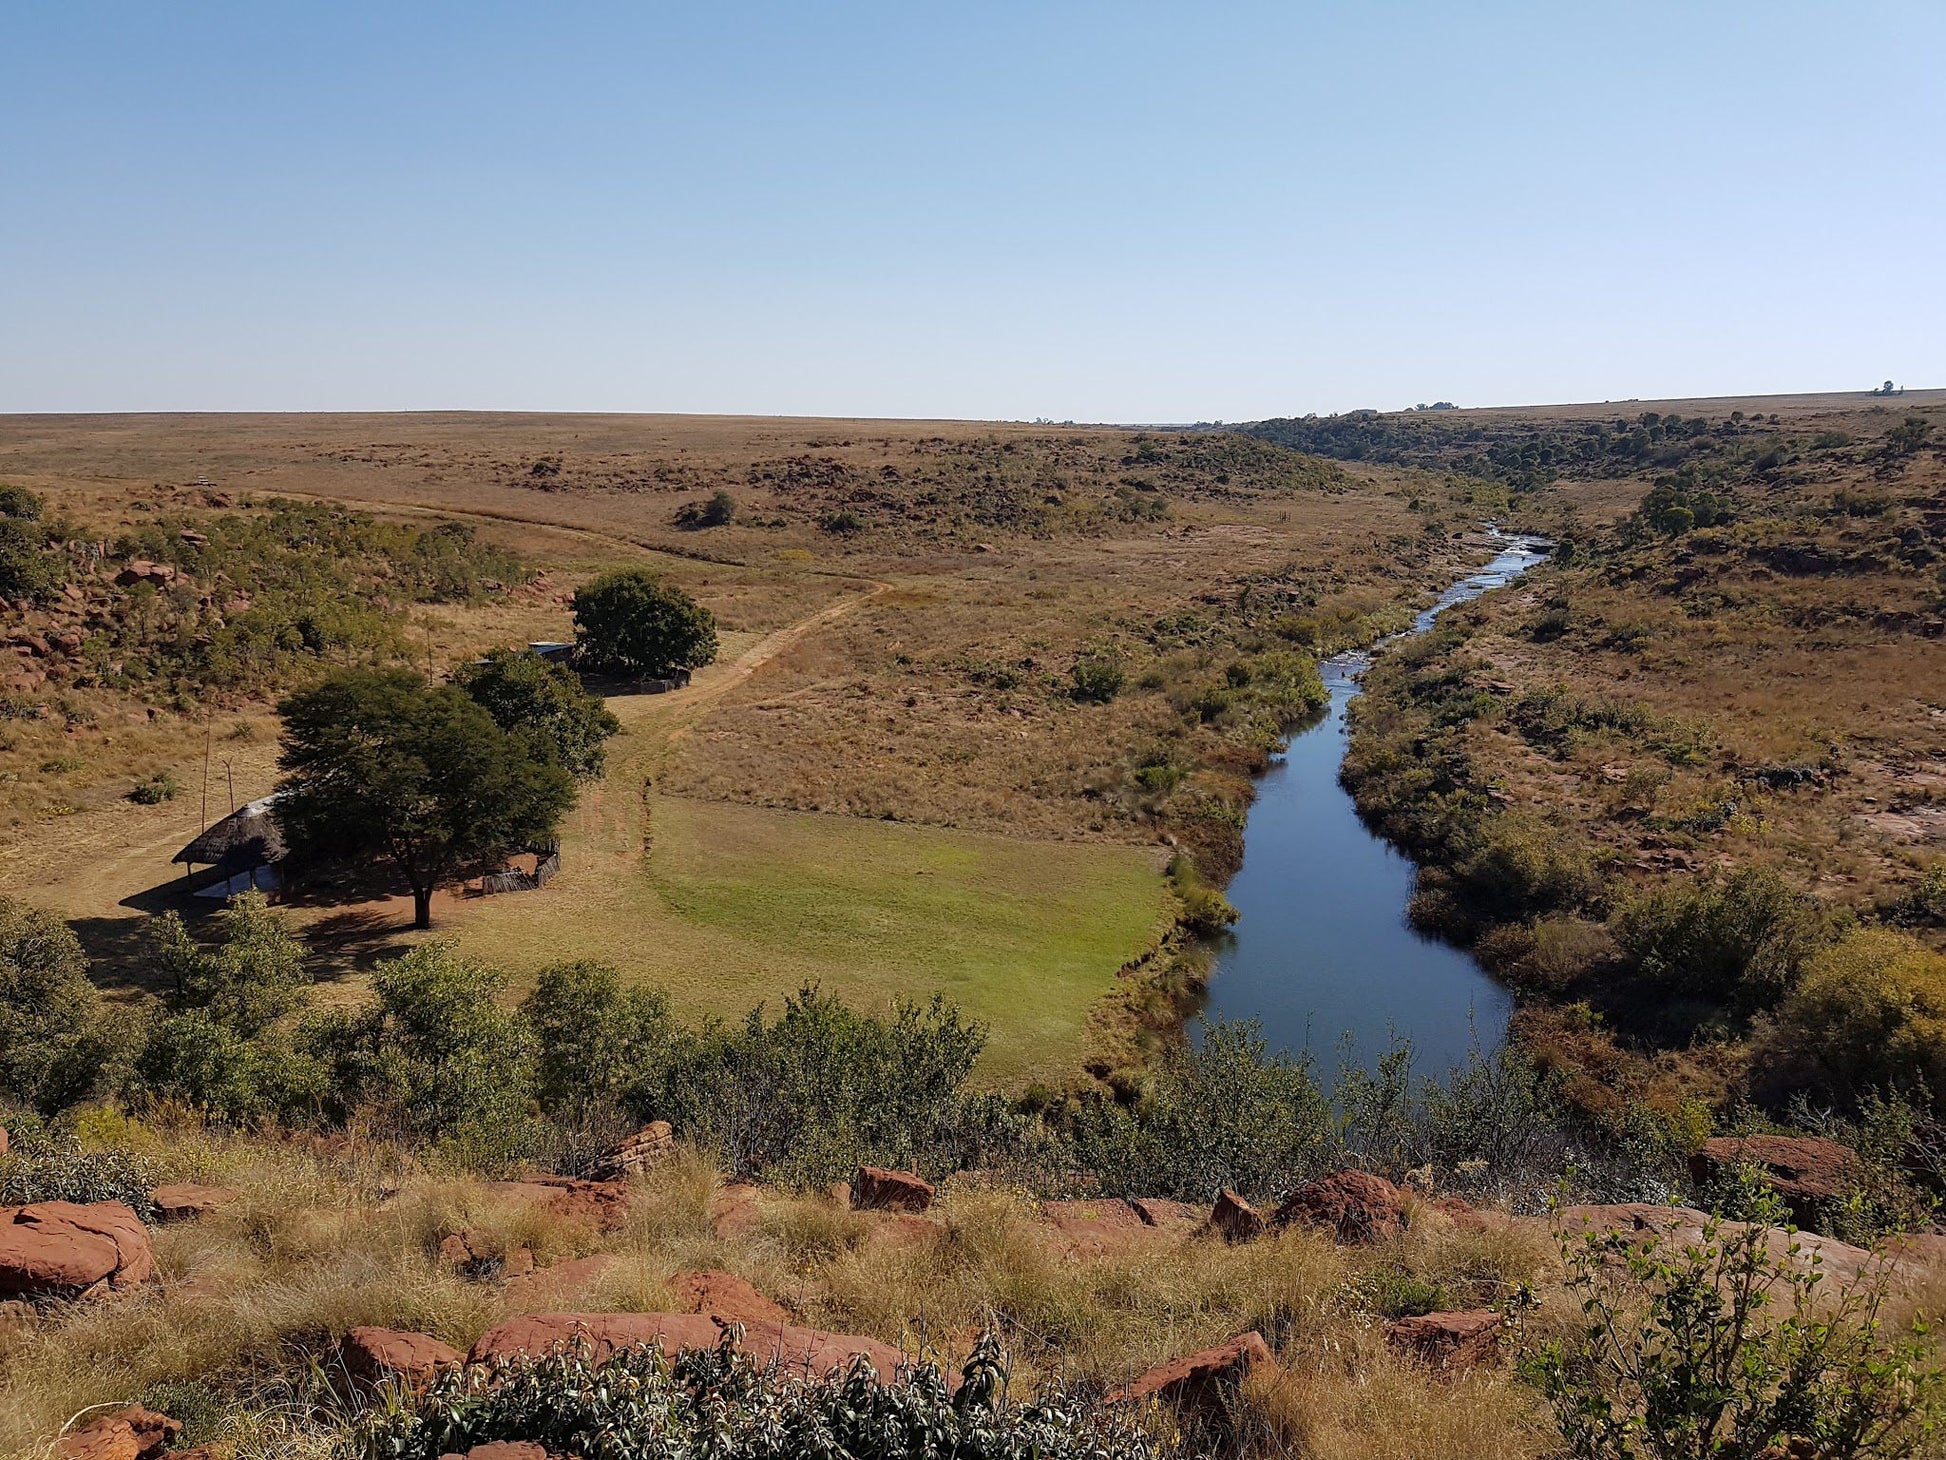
[{"x": 251, "y": 1300}]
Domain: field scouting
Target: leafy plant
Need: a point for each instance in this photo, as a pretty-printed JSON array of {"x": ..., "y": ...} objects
[
  {"x": 631, "y": 622},
  {"x": 1725, "y": 1348}
]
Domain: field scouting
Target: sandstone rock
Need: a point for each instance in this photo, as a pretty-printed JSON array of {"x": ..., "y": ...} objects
[
  {"x": 1097, "y": 1227},
  {"x": 5, "y": 1140},
  {"x": 1204, "y": 1384},
  {"x": 1234, "y": 1218},
  {"x": 141, "y": 570},
  {"x": 726, "y": 1295},
  {"x": 876, "y": 1189},
  {"x": 807, "y": 1351},
  {"x": 733, "y": 1211},
  {"x": 134, "y": 1433},
  {"x": 184, "y": 1201},
  {"x": 471, "y": 1254},
  {"x": 1354, "y": 1206},
  {"x": 649, "y": 1146},
  {"x": 64, "y": 1249},
  {"x": 370, "y": 1356},
  {"x": 1677, "y": 1227},
  {"x": 1448, "y": 1341},
  {"x": 602, "y": 1204},
  {"x": 1808, "y": 1172},
  {"x": 501, "y": 1450}
]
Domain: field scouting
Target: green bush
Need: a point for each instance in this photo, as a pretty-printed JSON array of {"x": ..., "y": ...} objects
[
  {"x": 1743, "y": 941},
  {"x": 1726, "y": 1348},
  {"x": 716, "y": 1402},
  {"x": 55, "y": 1046},
  {"x": 1869, "y": 1015},
  {"x": 596, "y": 1042},
  {"x": 41, "y": 1165},
  {"x": 1098, "y": 677},
  {"x": 154, "y": 789},
  {"x": 523, "y": 692},
  {"x": 29, "y": 567}
]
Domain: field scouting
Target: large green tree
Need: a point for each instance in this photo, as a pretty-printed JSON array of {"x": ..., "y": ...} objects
[
  {"x": 54, "y": 1047},
  {"x": 378, "y": 762},
  {"x": 524, "y": 691},
  {"x": 631, "y": 622}
]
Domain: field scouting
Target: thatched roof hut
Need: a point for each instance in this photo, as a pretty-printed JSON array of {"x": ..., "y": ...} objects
[{"x": 248, "y": 837}]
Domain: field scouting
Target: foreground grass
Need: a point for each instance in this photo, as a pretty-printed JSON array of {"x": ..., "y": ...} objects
[
  {"x": 236, "y": 1339},
  {"x": 738, "y": 905}
]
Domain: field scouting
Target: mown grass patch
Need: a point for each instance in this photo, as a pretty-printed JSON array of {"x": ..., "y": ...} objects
[{"x": 736, "y": 905}]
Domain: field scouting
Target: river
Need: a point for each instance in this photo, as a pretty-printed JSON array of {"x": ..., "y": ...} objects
[{"x": 1321, "y": 953}]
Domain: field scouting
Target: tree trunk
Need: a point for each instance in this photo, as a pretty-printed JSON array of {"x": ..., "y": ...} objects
[{"x": 422, "y": 907}]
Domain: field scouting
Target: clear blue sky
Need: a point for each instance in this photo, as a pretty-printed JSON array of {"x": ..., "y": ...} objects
[{"x": 1105, "y": 212}]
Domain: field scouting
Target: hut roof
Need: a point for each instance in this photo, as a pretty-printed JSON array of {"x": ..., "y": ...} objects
[{"x": 248, "y": 837}]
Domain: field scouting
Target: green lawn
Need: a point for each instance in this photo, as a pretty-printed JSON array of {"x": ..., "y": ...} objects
[{"x": 737, "y": 905}]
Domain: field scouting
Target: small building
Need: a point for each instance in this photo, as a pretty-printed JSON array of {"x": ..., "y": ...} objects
[{"x": 244, "y": 846}]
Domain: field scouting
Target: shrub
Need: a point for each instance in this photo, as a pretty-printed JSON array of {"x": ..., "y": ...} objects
[
  {"x": 154, "y": 789},
  {"x": 807, "y": 1098},
  {"x": 1098, "y": 677},
  {"x": 1520, "y": 869},
  {"x": 1870, "y": 1014},
  {"x": 716, "y": 1402},
  {"x": 433, "y": 1055},
  {"x": 630, "y": 622},
  {"x": 29, "y": 568},
  {"x": 1725, "y": 1348},
  {"x": 595, "y": 1041},
  {"x": 44, "y": 1166},
  {"x": 54, "y": 1046},
  {"x": 251, "y": 975},
  {"x": 1743, "y": 941},
  {"x": 716, "y": 512}
]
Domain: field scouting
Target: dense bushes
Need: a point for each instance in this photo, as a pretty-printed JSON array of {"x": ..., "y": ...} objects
[
  {"x": 629, "y": 622},
  {"x": 523, "y": 692},
  {"x": 55, "y": 1046},
  {"x": 1742, "y": 942},
  {"x": 644, "y": 1405},
  {"x": 1870, "y": 1014}
]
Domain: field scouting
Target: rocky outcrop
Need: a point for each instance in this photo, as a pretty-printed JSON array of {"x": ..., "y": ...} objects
[
  {"x": 809, "y": 1352},
  {"x": 726, "y": 1296},
  {"x": 1809, "y": 1173},
  {"x": 473, "y": 1254},
  {"x": 1354, "y": 1206},
  {"x": 876, "y": 1189},
  {"x": 1166, "y": 1215},
  {"x": 1203, "y": 1385},
  {"x": 371, "y": 1356},
  {"x": 134, "y": 1433},
  {"x": 185, "y": 1201},
  {"x": 1673, "y": 1228},
  {"x": 601, "y": 1204},
  {"x": 561, "y": 1282},
  {"x": 647, "y": 1148},
  {"x": 1448, "y": 1341},
  {"x": 1234, "y": 1219},
  {"x": 61, "y": 1249},
  {"x": 501, "y": 1450}
]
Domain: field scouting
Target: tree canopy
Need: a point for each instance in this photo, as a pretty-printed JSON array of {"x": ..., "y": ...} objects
[
  {"x": 379, "y": 762},
  {"x": 631, "y": 622},
  {"x": 524, "y": 691}
]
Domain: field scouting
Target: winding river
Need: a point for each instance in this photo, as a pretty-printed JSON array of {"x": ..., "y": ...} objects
[{"x": 1322, "y": 955}]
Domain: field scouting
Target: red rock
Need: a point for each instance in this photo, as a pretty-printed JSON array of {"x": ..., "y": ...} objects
[
  {"x": 1448, "y": 1341},
  {"x": 67, "y": 1249},
  {"x": 1099, "y": 1226},
  {"x": 456, "y": 1252},
  {"x": 808, "y": 1351},
  {"x": 1204, "y": 1383},
  {"x": 1354, "y": 1206},
  {"x": 1234, "y": 1218},
  {"x": 372, "y": 1355},
  {"x": 5, "y": 1140},
  {"x": 876, "y": 1189},
  {"x": 725, "y": 1295},
  {"x": 502, "y": 1450},
  {"x": 1674, "y": 1228},
  {"x": 184, "y": 1200},
  {"x": 602, "y": 1204},
  {"x": 134, "y": 1433},
  {"x": 1808, "y": 1172},
  {"x": 649, "y": 1146},
  {"x": 733, "y": 1211}
]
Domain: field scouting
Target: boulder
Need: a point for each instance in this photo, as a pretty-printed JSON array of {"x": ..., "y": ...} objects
[
  {"x": 501, "y": 1450},
  {"x": 876, "y": 1189},
  {"x": 649, "y": 1146},
  {"x": 561, "y": 1281},
  {"x": 725, "y": 1295},
  {"x": 5, "y": 1140},
  {"x": 1097, "y": 1227},
  {"x": 133, "y": 1433},
  {"x": 1808, "y": 1172},
  {"x": 1354, "y": 1206},
  {"x": 184, "y": 1201},
  {"x": 734, "y": 1212},
  {"x": 1204, "y": 1384},
  {"x": 1234, "y": 1218},
  {"x": 602, "y": 1204},
  {"x": 471, "y": 1254},
  {"x": 62, "y": 1249},
  {"x": 1674, "y": 1228},
  {"x": 1448, "y": 1341},
  {"x": 809, "y": 1352},
  {"x": 370, "y": 1356}
]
